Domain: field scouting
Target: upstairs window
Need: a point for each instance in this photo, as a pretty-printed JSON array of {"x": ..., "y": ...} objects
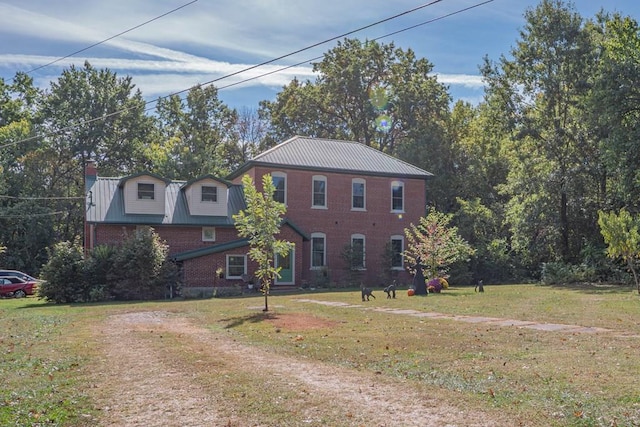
[
  {"x": 397, "y": 196},
  {"x": 358, "y": 192},
  {"x": 146, "y": 191},
  {"x": 209, "y": 194},
  {"x": 319, "y": 196},
  {"x": 280, "y": 183}
]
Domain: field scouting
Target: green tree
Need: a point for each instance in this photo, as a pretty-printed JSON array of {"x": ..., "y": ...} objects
[
  {"x": 436, "y": 243},
  {"x": 554, "y": 162},
  {"x": 369, "y": 92},
  {"x": 615, "y": 108},
  {"x": 622, "y": 237},
  {"x": 260, "y": 223},
  {"x": 198, "y": 134},
  {"x": 86, "y": 114}
]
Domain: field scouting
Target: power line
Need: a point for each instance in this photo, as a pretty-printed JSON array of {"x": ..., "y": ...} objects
[
  {"x": 70, "y": 127},
  {"x": 375, "y": 39},
  {"x": 42, "y": 198},
  {"x": 111, "y": 38},
  {"x": 32, "y": 215}
]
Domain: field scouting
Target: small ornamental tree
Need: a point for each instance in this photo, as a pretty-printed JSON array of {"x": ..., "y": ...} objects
[
  {"x": 260, "y": 222},
  {"x": 621, "y": 235},
  {"x": 435, "y": 243}
]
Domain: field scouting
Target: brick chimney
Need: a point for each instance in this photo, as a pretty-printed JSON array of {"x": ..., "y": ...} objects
[{"x": 90, "y": 169}]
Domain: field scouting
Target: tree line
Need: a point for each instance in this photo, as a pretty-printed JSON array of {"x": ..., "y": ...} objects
[{"x": 524, "y": 174}]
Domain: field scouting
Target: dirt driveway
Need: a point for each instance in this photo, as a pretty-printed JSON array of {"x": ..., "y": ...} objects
[{"x": 139, "y": 385}]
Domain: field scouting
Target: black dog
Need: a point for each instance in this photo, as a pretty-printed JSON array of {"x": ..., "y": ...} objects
[
  {"x": 479, "y": 287},
  {"x": 391, "y": 290},
  {"x": 366, "y": 293}
]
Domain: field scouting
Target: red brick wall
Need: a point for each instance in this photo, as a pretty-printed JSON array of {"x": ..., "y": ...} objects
[
  {"x": 339, "y": 222},
  {"x": 201, "y": 271}
]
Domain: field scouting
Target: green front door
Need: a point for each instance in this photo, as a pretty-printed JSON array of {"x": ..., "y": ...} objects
[{"x": 286, "y": 268}]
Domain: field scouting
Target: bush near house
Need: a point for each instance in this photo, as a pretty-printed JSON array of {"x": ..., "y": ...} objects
[{"x": 137, "y": 270}]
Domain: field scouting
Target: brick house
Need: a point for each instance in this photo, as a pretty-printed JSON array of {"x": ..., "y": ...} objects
[{"x": 338, "y": 194}]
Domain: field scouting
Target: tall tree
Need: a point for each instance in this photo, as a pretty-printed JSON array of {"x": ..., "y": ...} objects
[
  {"x": 553, "y": 158},
  {"x": 27, "y": 220},
  {"x": 365, "y": 91},
  {"x": 260, "y": 222},
  {"x": 615, "y": 109},
  {"x": 87, "y": 114},
  {"x": 198, "y": 133}
]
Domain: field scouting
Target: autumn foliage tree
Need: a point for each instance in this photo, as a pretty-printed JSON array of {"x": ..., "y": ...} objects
[
  {"x": 436, "y": 243},
  {"x": 260, "y": 223}
]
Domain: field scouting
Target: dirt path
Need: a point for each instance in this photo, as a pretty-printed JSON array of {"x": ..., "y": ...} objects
[{"x": 139, "y": 386}]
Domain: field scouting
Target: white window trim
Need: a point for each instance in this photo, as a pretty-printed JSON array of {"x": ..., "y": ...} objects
[
  {"x": 364, "y": 249},
  {"x": 202, "y": 187},
  {"x": 152, "y": 199},
  {"x": 324, "y": 260},
  {"x": 227, "y": 276},
  {"x": 313, "y": 181},
  {"x": 207, "y": 239},
  {"x": 284, "y": 176},
  {"x": 401, "y": 238},
  {"x": 364, "y": 194},
  {"x": 398, "y": 184}
]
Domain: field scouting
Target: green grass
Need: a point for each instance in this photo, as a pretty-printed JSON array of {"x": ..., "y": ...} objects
[{"x": 536, "y": 378}]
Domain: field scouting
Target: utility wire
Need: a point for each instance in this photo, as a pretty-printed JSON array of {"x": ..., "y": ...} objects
[
  {"x": 42, "y": 198},
  {"x": 110, "y": 38},
  {"x": 277, "y": 71},
  {"x": 375, "y": 39},
  {"x": 70, "y": 127},
  {"x": 32, "y": 215}
]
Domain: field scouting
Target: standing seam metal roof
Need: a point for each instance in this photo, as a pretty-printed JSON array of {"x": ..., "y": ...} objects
[{"x": 331, "y": 154}]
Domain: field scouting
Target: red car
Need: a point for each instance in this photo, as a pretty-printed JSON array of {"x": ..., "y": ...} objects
[{"x": 16, "y": 287}]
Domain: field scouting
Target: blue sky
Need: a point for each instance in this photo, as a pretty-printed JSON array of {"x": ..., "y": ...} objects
[{"x": 207, "y": 40}]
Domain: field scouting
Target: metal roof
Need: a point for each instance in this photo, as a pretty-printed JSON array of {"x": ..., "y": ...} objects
[
  {"x": 333, "y": 155},
  {"x": 105, "y": 204}
]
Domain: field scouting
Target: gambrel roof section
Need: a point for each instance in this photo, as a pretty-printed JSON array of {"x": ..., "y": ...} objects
[
  {"x": 320, "y": 154},
  {"x": 106, "y": 204}
]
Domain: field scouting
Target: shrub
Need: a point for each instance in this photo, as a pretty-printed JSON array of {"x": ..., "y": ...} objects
[
  {"x": 63, "y": 274},
  {"x": 137, "y": 267},
  {"x": 559, "y": 272}
]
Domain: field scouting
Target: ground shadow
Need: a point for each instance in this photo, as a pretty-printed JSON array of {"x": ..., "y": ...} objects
[
  {"x": 234, "y": 322},
  {"x": 594, "y": 288}
]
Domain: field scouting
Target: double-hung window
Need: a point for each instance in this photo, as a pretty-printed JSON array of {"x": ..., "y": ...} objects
[
  {"x": 397, "y": 250},
  {"x": 397, "y": 196},
  {"x": 280, "y": 183},
  {"x": 236, "y": 266},
  {"x": 358, "y": 252},
  {"x": 319, "y": 192},
  {"x": 318, "y": 250},
  {"x": 358, "y": 194}
]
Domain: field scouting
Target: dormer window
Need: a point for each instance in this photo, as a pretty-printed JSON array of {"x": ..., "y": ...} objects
[
  {"x": 209, "y": 194},
  {"x": 146, "y": 191}
]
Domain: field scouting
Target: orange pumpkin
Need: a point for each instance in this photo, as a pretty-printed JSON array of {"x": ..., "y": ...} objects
[{"x": 411, "y": 292}]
